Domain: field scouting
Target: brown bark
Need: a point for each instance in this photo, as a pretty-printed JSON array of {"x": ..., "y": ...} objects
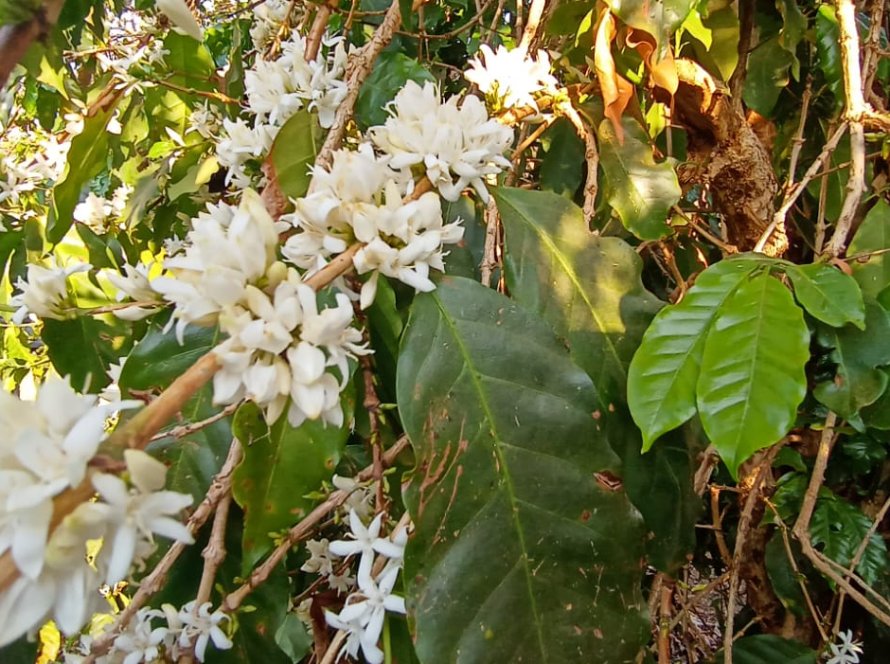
[{"x": 728, "y": 157}]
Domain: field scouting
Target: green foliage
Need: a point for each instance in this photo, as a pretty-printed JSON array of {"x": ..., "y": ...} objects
[
  {"x": 282, "y": 464},
  {"x": 827, "y": 294},
  {"x": 294, "y": 151},
  {"x": 869, "y": 251},
  {"x": 767, "y": 649},
  {"x": 561, "y": 168},
  {"x": 391, "y": 71},
  {"x": 517, "y": 548},
  {"x": 639, "y": 190},
  {"x": 18, "y": 11}
]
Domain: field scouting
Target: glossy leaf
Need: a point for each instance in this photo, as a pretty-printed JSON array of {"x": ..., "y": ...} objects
[
  {"x": 828, "y": 294},
  {"x": 281, "y": 465},
  {"x": 869, "y": 251},
  {"x": 77, "y": 348},
  {"x": 857, "y": 354},
  {"x": 640, "y": 191},
  {"x": 768, "y": 66},
  {"x": 663, "y": 374},
  {"x": 589, "y": 288},
  {"x": 518, "y": 551},
  {"x": 293, "y": 153},
  {"x": 391, "y": 71},
  {"x": 752, "y": 370}
]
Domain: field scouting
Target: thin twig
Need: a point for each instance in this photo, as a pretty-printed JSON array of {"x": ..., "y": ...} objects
[
  {"x": 303, "y": 529},
  {"x": 188, "y": 429},
  {"x": 799, "y": 140},
  {"x": 591, "y": 156},
  {"x": 492, "y": 233},
  {"x": 151, "y": 584},
  {"x": 764, "y": 468}
]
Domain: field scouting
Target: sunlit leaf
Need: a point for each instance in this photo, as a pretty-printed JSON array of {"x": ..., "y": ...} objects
[
  {"x": 294, "y": 151},
  {"x": 828, "y": 294}
]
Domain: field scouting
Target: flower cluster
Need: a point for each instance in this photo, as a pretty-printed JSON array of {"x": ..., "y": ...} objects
[
  {"x": 276, "y": 89},
  {"x": 153, "y": 634},
  {"x": 364, "y": 611},
  {"x": 45, "y": 292},
  {"x": 454, "y": 144},
  {"x": 45, "y": 450},
  {"x": 280, "y": 346},
  {"x": 359, "y": 199},
  {"x": 135, "y": 283},
  {"x": 31, "y": 161},
  {"x": 268, "y": 19},
  {"x": 510, "y": 78},
  {"x": 98, "y": 212}
]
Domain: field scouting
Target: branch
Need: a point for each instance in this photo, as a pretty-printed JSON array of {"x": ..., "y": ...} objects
[
  {"x": 221, "y": 486},
  {"x": 854, "y": 113},
  {"x": 304, "y": 528},
  {"x": 531, "y": 27},
  {"x": 15, "y": 40},
  {"x": 591, "y": 156}
]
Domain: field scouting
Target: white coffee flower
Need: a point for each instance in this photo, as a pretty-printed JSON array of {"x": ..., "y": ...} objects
[
  {"x": 238, "y": 144},
  {"x": 202, "y": 628},
  {"x": 94, "y": 212},
  {"x": 367, "y": 543},
  {"x": 319, "y": 561},
  {"x": 140, "y": 641},
  {"x": 139, "y": 513},
  {"x": 134, "y": 284},
  {"x": 268, "y": 17},
  {"x": 179, "y": 12},
  {"x": 511, "y": 77},
  {"x": 846, "y": 650},
  {"x": 45, "y": 292},
  {"x": 315, "y": 394},
  {"x": 455, "y": 145}
]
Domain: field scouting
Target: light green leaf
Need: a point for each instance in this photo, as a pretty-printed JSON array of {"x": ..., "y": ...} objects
[
  {"x": 794, "y": 29},
  {"x": 857, "y": 353},
  {"x": 281, "y": 465},
  {"x": 664, "y": 371},
  {"x": 752, "y": 375},
  {"x": 694, "y": 26},
  {"x": 293, "y": 638},
  {"x": 722, "y": 56},
  {"x": 641, "y": 191},
  {"x": 589, "y": 288},
  {"x": 869, "y": 251},
  {"x": 189, "y": 61},
  {"x": 660, "y": 18},
  {"x": 518, "y": 551},
  {"x": 294, "y": 151},
  {"x": 828, "y": 294}
]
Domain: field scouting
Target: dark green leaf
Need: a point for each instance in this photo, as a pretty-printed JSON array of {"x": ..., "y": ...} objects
[
  {"x": 869, "y": 251},
  {"x": 293, "y": 152},
  {"x": 563, "y": 163},
  {"x": 391, "y": 71},
  {"x": 877, "y": 415},
  {"x": 662, "y": 378},
  {"x": 752, "y": 375},
  {"x": 828, "y": 294},
  {"x": 518, "y": 552},
  {"x": 769, "y": 649},
  {"x": 293, "y": 638},
  {"x": 81, "y": 348},
  {"x": 281, "y": 465},
  {"x": 158, "y": 359},
  {"x": 18, "y": 11},
  {"x": 86, "y": 158},
  {"x": 794, "y": 29},
  {"x": 857, "y": 353},
  {"x": 768, "y": 67},
  {"x": 640, "y": 191},
  {"x": 587, "y": 287},
  {"x": 785, "y": 581}
]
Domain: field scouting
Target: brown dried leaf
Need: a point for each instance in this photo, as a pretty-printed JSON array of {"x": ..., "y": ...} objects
[{"x": 616, "y": 90}]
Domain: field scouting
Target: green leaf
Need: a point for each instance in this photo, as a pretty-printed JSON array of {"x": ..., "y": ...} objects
[
  {"x": 869, "y": 251},
  {"x": 518, "y": 551},
  {"x": 281, "y": 465},
  {"x": 563, "y": 163},
  {"x": 86, "y": 158},
  {"x": 769, "y": 649},
  {"x": 663, "y": 374},
  {"x": 722, "y": 56},
  {"x": 794, "y": 29},
  {"x": 81, "y": 348},
  {"x": 589, "y": 288},
  {"x": 391, "y": 71},
  {"x": 293, "y": 638},
  {"x": 189, "y": 61},
  {"x": 838, "y": 528},
  {"x": 752, "y": 375},
  {"x": 784, "y": 580},
  {"x": 768, "y": 67},
  {"x": 828, "y": 51},
  {"x": 641, "y": 191},
  {"x": 828, "y": 294},
  {"x": 294, "y": 151},
  {"x": 23, "y": 651},
  {"x": 877, "y": 415},
  {"x": 858, "y": 354},
  {"x": 18, "y": 11},
  {"x": 158, "y": 359}
]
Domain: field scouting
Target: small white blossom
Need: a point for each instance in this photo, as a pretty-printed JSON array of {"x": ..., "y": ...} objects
[
  {"x": 367, "y": 542},
  {"x": 94, "y": 212},
  {"x": 201, "y": 628},
  {"x": 846, "y": 650},
  {"x": 140, "y": 641},
  {"x": 45, "y": 292}
]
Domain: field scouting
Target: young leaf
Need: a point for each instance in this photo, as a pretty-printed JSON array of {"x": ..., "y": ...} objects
[
  {"x": 828, "y": 294},
  {"x": 858, "y": 354},
  {"x": 663, "y": 373},
  {"x": 589, "y": 288},
  {"x": 641, "y": 191},
  {"x": 293, "y": 153},
  {"x": 752, "y": 370},
  {"x": 872, "y": 243},
  {"x": 281, "y": 465},
  {"x": 517, "y": 548}
]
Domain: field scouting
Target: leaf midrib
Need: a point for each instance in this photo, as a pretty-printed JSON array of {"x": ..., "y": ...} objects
[{"x": 503, "y": 472}]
